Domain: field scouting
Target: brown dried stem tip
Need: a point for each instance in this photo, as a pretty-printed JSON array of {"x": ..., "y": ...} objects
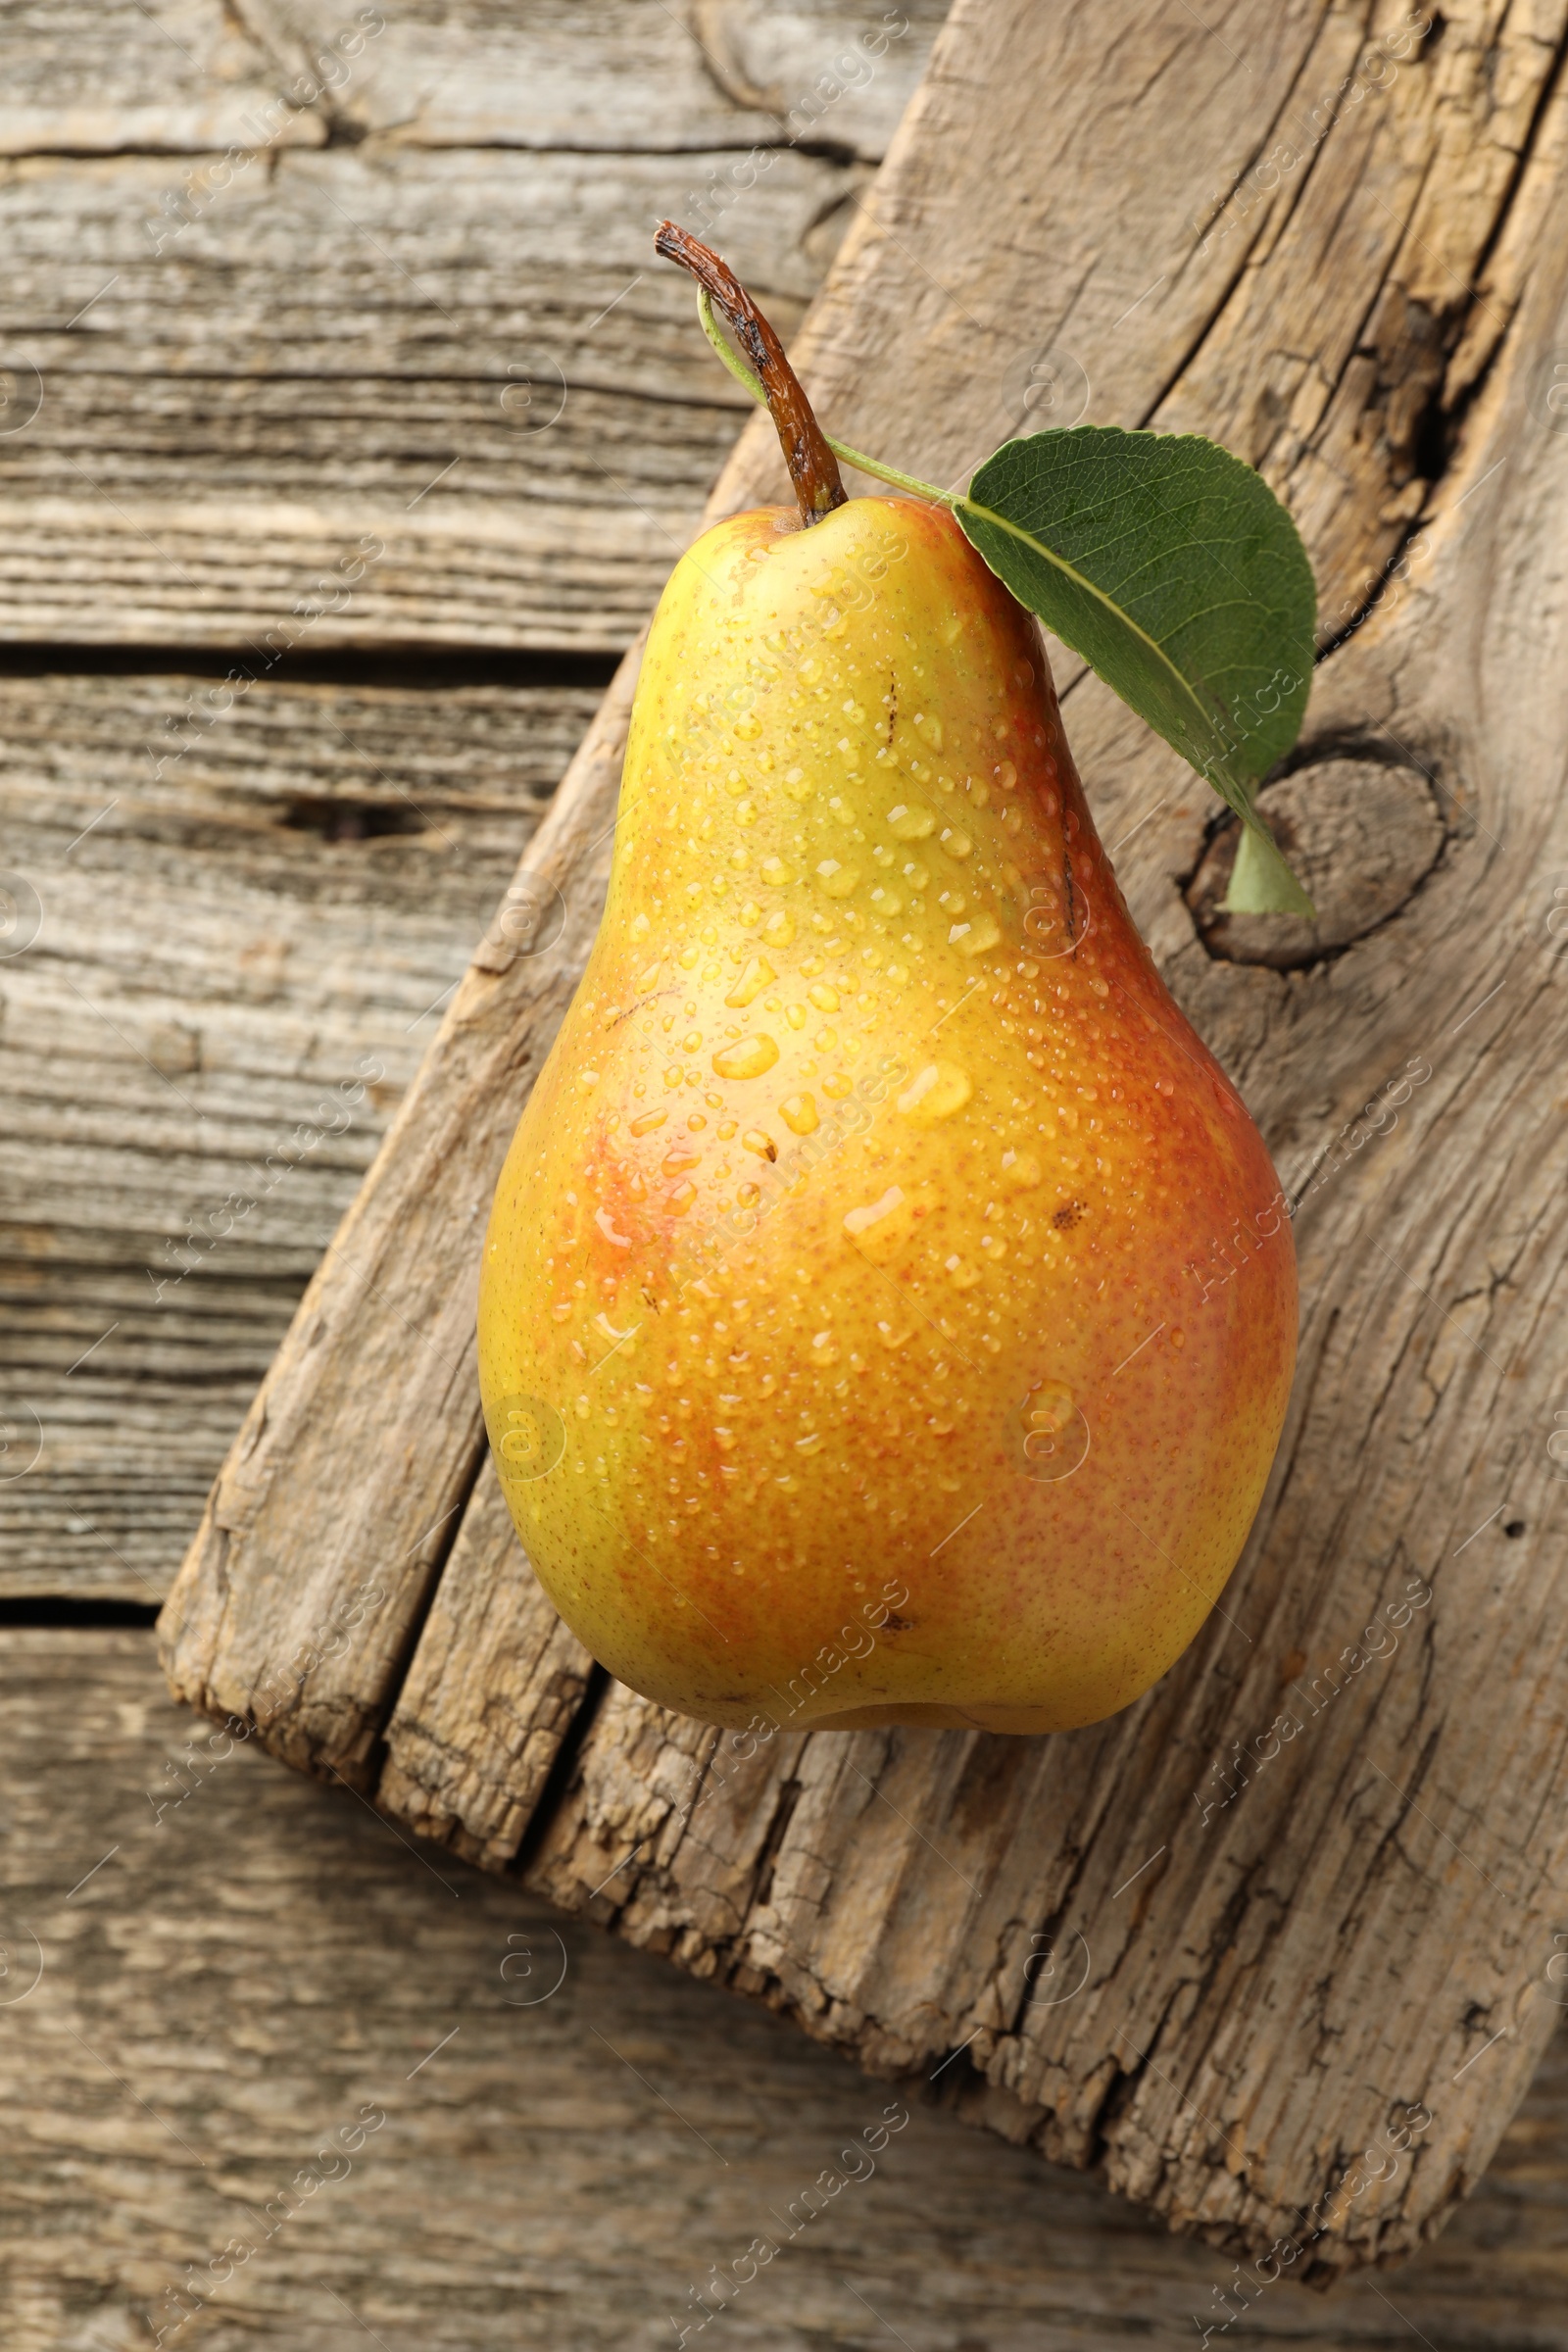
[{"x": 814, "y": 468}]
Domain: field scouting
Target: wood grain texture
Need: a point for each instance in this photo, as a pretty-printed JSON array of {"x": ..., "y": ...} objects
[
  {"x": 372, "y": 472},
  {"x": 97, "y": 76},
  {"x": 225, "y": 945},
  {"x": 494, "y": 1659},
  {"x": 832, "y": 74},
  {"x": 190, "y": 76},
  {"x": 244, "y": 1973},
  {"x": 1220, "y": 1980},
  {"x": 415, "y": 312}
]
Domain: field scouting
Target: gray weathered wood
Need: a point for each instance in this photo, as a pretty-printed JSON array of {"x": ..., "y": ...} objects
[
  {"x": 352, "y": 476},
  {"x": 829, "y": 73},
  {"x": 414, "y": 314},
  {"x": 239, "y": 1976},
  {"x": 222, "y": 945},
  {"x": 190, "y": 76},
  {"x": 497, "y": 1684},
  {"x": 100, "y": 75},
  {"x": 1267, "y": 1972}
]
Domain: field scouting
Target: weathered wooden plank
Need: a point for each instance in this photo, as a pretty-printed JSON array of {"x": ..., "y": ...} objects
[
  {"x": 892, "y": 1889},
  {"x": 190, "y": 76},
  {"x": 832, "y": 73},
  {"x": 250, "y": 901},
  {"x": 1248, "y": 1910},
  {"x": 420, "y": 383},
  {"x": 181, "y": 75},
  {"x": 497, "y": 1683},
  {"x": 240, "y": 1977},
  {"x": 395, "y": 399}
]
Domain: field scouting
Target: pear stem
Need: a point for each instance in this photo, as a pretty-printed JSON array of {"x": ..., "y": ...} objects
[
  {"x": 841, "y": 449},
  {"x": 814, "y": 469}
]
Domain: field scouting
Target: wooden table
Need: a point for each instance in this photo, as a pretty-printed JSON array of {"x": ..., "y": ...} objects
[
  {"x": 564, "y": 2156},
  {"x": 213, "y": 1968}
]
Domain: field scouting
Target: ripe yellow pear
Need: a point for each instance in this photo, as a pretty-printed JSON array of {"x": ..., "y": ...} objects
[
  {"x": 888, "y": 1310},
  {"x": 854, "y": 1329}
]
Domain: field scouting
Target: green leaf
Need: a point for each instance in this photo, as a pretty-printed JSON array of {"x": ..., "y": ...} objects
[{"x": 1177, "y": 574}]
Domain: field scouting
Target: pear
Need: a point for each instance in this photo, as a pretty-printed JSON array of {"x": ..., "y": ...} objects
[{"x": 888, "y": 1307}]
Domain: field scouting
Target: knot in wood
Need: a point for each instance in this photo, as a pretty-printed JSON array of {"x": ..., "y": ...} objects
[{"x": 1362, "y": 835}]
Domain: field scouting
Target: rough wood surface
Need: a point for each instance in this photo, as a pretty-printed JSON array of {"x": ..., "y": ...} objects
[
  {"x": 229, "y": 1984},
  {"x": 271, "y": 923},
  {"x": 1276, "y": 1962},
  {"x": 496, "y": 1684},
  {"x": 408, "y": 310},
  {"x": 192, "y": 75}
]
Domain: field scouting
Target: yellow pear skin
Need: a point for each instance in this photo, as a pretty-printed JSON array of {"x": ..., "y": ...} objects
[{"x": 888, "y": 1307}]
